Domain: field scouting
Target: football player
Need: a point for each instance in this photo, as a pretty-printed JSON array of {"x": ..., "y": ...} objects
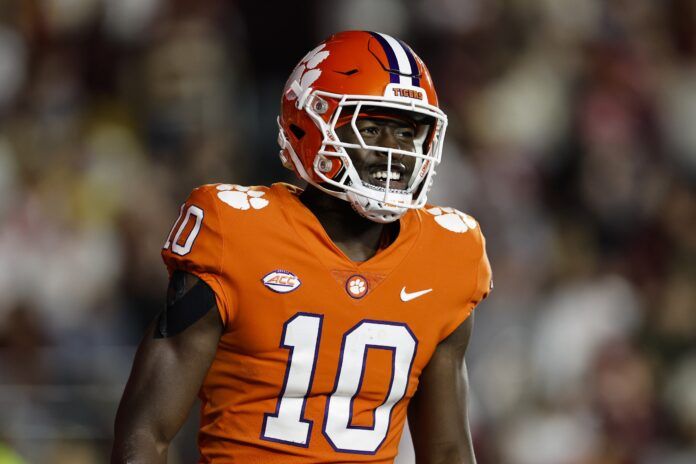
[{"x": 309, "y": 322}]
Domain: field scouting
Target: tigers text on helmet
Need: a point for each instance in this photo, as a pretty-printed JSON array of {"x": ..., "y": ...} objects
[{"x": 354, "y": 75}]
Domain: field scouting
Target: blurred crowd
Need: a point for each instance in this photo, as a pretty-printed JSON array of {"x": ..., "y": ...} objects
[{"x": 572, "y": 139}]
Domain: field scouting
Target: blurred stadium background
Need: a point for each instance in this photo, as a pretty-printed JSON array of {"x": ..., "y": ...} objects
[{"x": 572, "y": 139}]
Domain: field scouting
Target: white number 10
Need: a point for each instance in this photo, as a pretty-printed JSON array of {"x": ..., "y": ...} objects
[
  {"x": 301, "y": 335},
  {"x": 184, "y": 249}
]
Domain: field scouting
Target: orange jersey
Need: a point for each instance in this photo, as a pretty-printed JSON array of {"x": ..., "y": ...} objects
[{"x": 320, "y": 355}]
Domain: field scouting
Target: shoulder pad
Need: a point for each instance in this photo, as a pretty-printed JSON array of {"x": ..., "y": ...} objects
[
  {"x": 242, "y": 198},
  {"x": 451, "y": 219}
]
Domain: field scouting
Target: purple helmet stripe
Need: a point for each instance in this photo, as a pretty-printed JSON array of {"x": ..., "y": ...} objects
[
  {"x": 415, "y": 80},
  {"x": 391, "y": 57}
]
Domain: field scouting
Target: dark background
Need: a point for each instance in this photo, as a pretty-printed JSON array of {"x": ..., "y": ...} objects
[{"x": 572, "y": 139}]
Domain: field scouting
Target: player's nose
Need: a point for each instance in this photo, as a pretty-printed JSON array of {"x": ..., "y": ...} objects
[{"x": 389, "y": 139}]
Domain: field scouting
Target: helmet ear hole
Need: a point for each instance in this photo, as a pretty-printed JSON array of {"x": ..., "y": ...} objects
[{"x": 297, "y": 131}]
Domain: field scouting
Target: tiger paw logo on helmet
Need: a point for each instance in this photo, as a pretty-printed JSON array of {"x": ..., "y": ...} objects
[
  {"x": 452, "y": 219},
  {"x": 240, "y": 197},
  {"x": 305, "y": 74}
]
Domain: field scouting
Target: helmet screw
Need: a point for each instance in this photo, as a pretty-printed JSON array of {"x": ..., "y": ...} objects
[
  {"x": 324, "y": 164},
  {"x": 320, "y": 106}
]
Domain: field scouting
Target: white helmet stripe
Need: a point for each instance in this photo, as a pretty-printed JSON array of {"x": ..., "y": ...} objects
[{"x": 401, "y": 58}]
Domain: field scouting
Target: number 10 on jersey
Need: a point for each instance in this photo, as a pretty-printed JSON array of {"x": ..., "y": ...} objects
[{"x": 301, "y": 336}]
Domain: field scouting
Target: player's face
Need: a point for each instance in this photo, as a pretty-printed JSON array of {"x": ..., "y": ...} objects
[{"x": 371, "y": 165}]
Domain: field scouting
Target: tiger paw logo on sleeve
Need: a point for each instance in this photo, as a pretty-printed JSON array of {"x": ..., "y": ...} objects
[
  {"x": 452, "y": 219},
  {"x": 240, "y": 197}
]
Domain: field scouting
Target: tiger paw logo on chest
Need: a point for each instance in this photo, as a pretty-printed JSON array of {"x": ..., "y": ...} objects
[
  {"x": 356, "y": 286},
  {"x": 240, "y": 197},
  {"x": 281, "y": 281}
]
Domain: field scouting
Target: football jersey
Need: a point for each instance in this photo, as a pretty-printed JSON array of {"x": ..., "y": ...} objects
[{"x": 320, "y": 354}]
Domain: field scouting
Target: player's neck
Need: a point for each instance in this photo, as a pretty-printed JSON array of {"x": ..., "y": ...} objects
[{"x": 358, "y": 237}]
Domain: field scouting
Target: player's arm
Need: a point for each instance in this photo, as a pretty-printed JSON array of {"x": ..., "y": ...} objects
[
  {"x": 170, "y": 365},
  {"x": 437, "y": 414}
]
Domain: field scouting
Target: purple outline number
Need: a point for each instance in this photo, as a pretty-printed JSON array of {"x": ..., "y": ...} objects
[
  {"x": 301, "y": 335},
  {"x": 338, "y": 416}
]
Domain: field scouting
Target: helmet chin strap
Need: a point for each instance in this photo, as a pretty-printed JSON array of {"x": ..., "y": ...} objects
[{"x": 375, "y": 210}]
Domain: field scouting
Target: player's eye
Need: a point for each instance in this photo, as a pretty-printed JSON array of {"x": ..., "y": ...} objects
[
  {"x": 405, "y": 133},
  {"x": 369, "y": 131}
]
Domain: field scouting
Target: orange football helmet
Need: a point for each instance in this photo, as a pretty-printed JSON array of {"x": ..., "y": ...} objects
[{"x": 350, "y": 75}]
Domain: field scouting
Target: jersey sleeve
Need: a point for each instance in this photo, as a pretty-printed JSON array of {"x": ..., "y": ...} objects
[
  {"x": 484, "y": 276},
  {"x": 195, "y": 245},
  {"x": 482, "y": 285}
]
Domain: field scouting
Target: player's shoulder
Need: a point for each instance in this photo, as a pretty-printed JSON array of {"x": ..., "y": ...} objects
[
  {"x": 239, "y": 197},
  {"x": 448, "y": 225},
  {"x": 227, "y": 199}
]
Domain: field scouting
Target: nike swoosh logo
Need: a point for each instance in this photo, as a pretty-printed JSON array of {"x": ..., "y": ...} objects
[{"x": 406, "y": 296}]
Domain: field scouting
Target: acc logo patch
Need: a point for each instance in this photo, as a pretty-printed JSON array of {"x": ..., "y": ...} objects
[
  {"x": 281, "y": 281},
  {"x": 356, "y": 286}
]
